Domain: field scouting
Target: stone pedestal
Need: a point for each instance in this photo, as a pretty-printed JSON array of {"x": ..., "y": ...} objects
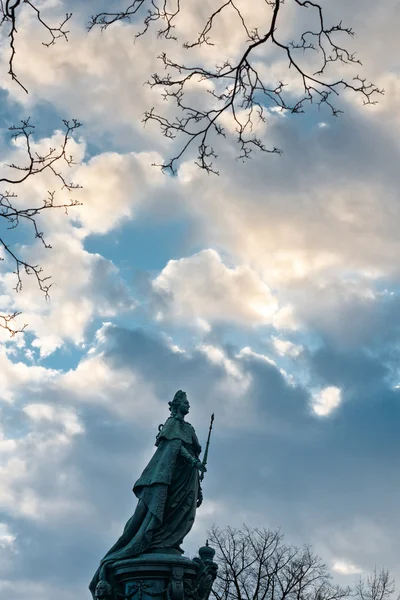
[
  {"x": 160, "y": 576},
  {"x": 153, "y": 577}
]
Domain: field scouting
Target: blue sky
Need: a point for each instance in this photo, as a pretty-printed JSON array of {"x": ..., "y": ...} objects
[{"x": 270, "y": 294}]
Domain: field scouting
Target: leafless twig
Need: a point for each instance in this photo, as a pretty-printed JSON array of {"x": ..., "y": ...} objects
[
  {"x": 379, "y": 585},
  {"x": 237, "y": 87},
  {"x": 255, "y": 564},
  {"x": 12, "y": 215},
  {"x": 9, "y": 16},
  {"x": 6, "y": 322}
]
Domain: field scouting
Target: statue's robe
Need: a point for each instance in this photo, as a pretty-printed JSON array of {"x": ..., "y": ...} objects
[{"x": 167, "y": 490}]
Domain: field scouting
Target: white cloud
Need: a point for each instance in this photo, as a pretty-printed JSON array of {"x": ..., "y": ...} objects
[
  {"x": 286, "y": 347},
  {"x": 326, "y": 401},
  {"x": 16, "y": 376},
  {"x": 22, "y": 475},
  {"x": 61, "y": 415},
  {"x": 202, "y": 287},
  {"x": 85, "y": 286},
  {"x": 216, "y": 355},
  {"x": 96, "y": 382},
  {"x": 247, "y": 352},
  {"x": 244, "y": 352},
  {"x": 346, "y": 568},
  {"x": 209, "y": 513},
  {"x": 114, "y": 187},
  {"x": 6, "y": 536}
]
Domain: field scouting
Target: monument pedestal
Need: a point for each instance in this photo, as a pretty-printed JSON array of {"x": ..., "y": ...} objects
[
  {"x": 153, "y": 577},
  {"x": 160, "y": 576}
]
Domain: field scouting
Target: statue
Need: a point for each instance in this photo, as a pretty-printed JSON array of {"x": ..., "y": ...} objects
[{"x": 168, "y": 493}]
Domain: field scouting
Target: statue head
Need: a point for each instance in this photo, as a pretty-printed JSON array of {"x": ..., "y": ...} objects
[
  {"x": 179, "y": 405},
  {"x": 103, "y": 590}
]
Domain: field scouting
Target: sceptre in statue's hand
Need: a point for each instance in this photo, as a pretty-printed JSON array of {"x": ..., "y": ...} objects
[
  {"x": 201, "y": 465},
  {"x": 204, "y": 462}
]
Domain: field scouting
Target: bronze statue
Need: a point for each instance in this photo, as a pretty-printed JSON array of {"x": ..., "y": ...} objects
[{"x": 168, "y": 493}]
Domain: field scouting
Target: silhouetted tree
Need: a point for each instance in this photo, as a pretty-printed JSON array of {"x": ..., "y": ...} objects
[
  {"x": 379, "y": 585},
  {"x": 14, "y": 211},
  {"x": 240, "y": 87},
  {"x": 256, "y": 564}
]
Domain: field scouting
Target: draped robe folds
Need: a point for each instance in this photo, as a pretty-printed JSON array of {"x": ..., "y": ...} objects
[{"x": 167, "y": 493}]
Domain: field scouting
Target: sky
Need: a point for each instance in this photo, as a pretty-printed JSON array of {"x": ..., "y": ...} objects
[{"x": 269, "y": 293}]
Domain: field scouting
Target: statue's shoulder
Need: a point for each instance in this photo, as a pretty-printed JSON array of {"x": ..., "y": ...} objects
[
  {"x": 164, "y": 427},
  {"x": 170, "y": 429},
  {"x": 177, "y": 429},
  {"x": 189, "y": 429}
]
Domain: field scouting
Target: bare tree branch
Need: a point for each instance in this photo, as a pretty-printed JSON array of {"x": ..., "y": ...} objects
[
  {"x": 238, "y": 88},
  {"x": 162, "y": 10},
  {"x": 13, "y": 214},
  {"x": 377, "y": 586},
  {"x": 105, "y": 19},
  {"x": 6, "y": 323},
  {"x": 37, "y": 163},
  {"x": 255, "y": 564},
  {"x": 9, "y": 13}
]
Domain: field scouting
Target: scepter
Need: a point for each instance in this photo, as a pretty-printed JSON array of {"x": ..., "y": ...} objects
[{"x": 207, "y": 446}]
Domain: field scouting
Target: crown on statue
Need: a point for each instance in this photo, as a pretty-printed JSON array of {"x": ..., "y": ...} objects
[{"x": 206, "y": 553}]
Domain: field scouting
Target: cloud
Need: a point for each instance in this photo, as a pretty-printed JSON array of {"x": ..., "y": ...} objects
[
  {"x": 85, "y": 285},
  {"x": 306, "y": 242},
  {"x": 324, "y": 243},
  {"x": 43, "y": 412},
  {"x": 87, "y": 77},
  {"x": 326, "y": 401},
  {"x": 345, "y": 568},
  {"x": 202, "y": 287},
  {"x": 115, "y": 186},
  {"x": 6, "y": 537},
  {"x": 88, "y": 432},
  {"x": 286, "y": 347},
  {"x": 17, "y": 375},
  {"x": 298, "y": 241}
]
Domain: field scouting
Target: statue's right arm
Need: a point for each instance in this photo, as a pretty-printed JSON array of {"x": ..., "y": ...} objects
[
  {"x": 187, "y": 456},
  {"x": 195, "y": 462}
]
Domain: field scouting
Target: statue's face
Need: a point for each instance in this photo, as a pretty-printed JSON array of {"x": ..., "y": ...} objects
[
  {"x": 102, "y": 590},
  {"x": 184, "y": 405}
]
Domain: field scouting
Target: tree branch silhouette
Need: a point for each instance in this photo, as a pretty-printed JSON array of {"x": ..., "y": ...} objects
[
  {"x": 238, "y": 87},
  {"x": 9, "y": 16},
  {"x": 12, "y": 214},
  {"x": 256, "y": 564}
]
